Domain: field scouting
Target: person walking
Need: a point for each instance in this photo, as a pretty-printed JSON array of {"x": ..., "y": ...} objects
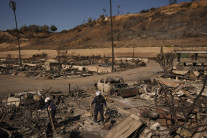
[{"x": 100, "y": 102}]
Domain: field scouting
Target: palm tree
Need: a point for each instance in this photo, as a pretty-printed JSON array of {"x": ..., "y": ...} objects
[
  {"x": 118, "y": 9},
  {"x": 104, "y": 11},
  {"x": 12, "y": 5}
]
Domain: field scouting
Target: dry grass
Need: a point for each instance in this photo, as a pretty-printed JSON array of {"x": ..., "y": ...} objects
[{"x": 177, "y": 25}]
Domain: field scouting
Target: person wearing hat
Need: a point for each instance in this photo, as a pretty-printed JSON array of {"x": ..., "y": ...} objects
[
  {"x": 99, "y": 100},
  {"x": 51, "y": 111}
]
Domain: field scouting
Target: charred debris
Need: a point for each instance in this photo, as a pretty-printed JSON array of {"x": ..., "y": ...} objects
[
  {"x": 157, "y": 107},
  {"x": 171, "y": 104},
  {"x": 65, "y": 66}
]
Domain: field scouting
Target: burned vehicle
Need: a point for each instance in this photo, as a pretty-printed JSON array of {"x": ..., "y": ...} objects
[{"x": 114, "y": 85}]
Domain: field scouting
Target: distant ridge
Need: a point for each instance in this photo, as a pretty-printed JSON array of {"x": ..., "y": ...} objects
[{"x": 183, "y": 24}]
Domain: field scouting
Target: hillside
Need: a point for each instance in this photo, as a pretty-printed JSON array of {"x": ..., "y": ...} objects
[{"x": 182, "y": 24}]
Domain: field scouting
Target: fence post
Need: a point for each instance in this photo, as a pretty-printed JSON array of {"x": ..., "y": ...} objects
[{"x": 69, "y": 88}]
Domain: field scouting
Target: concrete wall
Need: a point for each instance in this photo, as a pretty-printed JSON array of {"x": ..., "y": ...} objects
[{"x": 119, "y": 52}]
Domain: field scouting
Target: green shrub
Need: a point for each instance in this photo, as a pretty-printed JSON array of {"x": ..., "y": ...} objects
[
  {"x": 152, "y": 9},
  {"x": 186, "y": 5},
  {"x": 144, "y": 11},
  {"x": 102, "y": 16}
]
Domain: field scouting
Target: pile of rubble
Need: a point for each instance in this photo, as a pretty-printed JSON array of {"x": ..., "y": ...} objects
[
  {"x": 159, "y": 107},
  {"x": 180, "y": 107},
  {"x": 20, "y": 115},
  {"x": 40, "y": 67}
]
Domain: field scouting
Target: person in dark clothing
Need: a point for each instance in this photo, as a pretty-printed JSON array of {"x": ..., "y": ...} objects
[
  {"x": 99, "y": 100},
  {"x": 51, "y": 111}
]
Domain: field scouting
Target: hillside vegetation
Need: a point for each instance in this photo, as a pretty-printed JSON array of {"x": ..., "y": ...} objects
[{"x": 182, "y": 24}]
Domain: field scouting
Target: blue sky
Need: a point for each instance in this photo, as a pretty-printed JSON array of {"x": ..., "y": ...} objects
[{"x": 66, "y": 14}]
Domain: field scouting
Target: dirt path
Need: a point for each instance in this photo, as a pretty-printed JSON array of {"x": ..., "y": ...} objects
[{"x": 18, "y": 84}]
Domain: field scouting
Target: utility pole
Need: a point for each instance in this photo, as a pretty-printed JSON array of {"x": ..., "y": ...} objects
[
  {"x": 112, "y": 39},
  {"x": 12, "y": 5}
]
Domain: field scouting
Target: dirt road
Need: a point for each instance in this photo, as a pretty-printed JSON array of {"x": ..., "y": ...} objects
[{"x": 18, "y": 84}]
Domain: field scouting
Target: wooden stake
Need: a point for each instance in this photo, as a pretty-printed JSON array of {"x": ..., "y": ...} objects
[{"x": 51, "y": 119}]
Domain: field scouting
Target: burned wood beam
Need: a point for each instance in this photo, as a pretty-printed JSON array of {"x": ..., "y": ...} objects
[{"x": 7, "y": 131}]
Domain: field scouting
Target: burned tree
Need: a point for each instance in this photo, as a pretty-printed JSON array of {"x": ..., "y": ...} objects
[
  {"x": 166, "y": 61},
  {"x": 12, "y": 5},
  {"x": 62, "y": 56},
  {"x": 185, "y": 112}
]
